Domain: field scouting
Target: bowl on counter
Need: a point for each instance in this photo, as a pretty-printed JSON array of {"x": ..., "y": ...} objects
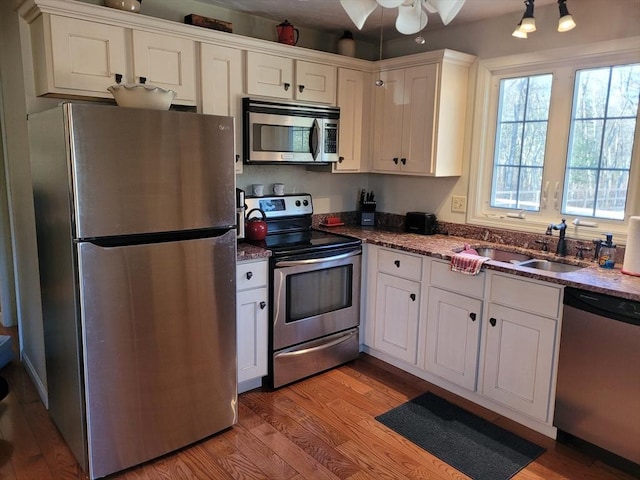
[{"x": 142, "y": 95}]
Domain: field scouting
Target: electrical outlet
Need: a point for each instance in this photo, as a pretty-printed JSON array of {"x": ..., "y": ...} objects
[{"x": 458, "y": 204}]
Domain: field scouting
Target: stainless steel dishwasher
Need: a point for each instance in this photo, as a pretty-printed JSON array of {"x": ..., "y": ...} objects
[{"x": 598, "y": 389}]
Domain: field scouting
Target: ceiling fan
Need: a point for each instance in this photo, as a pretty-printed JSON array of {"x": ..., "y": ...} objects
[{"x": 411, "y": 16}]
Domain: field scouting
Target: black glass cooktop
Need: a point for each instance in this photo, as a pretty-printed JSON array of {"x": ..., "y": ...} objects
[{"x": 308, "y": 241}]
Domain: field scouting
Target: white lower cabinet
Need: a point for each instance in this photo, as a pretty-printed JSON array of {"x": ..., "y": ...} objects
[
  {"x": 520, "y": 356},
  {"x": 490, "y": 338},
  {"x": 396, "y": 318},
  {"x": 252, "y": 323},
  {"x": 453, "y": 337}
]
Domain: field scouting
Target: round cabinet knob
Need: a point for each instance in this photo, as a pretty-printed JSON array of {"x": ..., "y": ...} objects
[
  {"x": 412, "y": 297},
  {"x": 493, "y": 322},
  {"x": 397, "y": 263},
  {"x": 263, "y": 305},
  {"x": 249, "y": 275},
  {"x": 472, "y": 316}
]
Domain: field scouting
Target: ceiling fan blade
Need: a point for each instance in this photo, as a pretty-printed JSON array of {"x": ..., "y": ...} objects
[
  {"x": 390, "y": 3},
  {"x": 447, "y": 9},
  {"x": 359, "y": 10}
]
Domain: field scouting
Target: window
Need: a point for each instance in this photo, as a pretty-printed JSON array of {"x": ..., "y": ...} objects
[
  {"x": 555, "y": 136},
  {"x": 523, "y": 114},
  {"x": 603, "y": 123}
]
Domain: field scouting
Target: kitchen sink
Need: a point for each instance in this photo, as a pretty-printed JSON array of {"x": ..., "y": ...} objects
[
  {"x": 502, "y": 255},
  {"x": 549, "y": 266}
]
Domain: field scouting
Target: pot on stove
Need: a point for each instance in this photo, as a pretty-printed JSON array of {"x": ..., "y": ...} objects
[{"x": 255, "y": 228}]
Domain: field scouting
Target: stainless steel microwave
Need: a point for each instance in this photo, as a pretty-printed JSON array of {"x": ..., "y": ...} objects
[{"x": 279, "y": 132}]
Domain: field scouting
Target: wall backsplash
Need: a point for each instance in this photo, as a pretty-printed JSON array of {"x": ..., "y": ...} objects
[{"x": 395, "y": 223}]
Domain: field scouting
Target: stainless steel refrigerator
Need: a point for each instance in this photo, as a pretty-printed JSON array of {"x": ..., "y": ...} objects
[{"x": 135, "y": 214}]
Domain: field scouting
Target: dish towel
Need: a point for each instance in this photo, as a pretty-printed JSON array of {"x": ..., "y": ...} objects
[{"x": 467, "y": 263}]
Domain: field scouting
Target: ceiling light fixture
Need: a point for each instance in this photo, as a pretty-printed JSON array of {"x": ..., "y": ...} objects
[
  {"x": 411, "y": 17},
  {"x": 528, "y": 23},
  {"x": 566, "y": 22},
  {"x": 380, "y": 82}
]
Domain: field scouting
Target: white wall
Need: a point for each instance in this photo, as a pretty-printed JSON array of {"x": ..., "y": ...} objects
[
  {"x": 20, "y": 197},
  {"x": 330, "y": 192},
  {"x": 596, "y": 21}
]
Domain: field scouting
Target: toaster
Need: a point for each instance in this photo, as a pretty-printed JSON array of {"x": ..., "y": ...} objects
[{"x": 421, "y": 222}]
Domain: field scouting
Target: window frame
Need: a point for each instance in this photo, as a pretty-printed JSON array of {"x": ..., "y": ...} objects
[{"x": 562, "y": 64}]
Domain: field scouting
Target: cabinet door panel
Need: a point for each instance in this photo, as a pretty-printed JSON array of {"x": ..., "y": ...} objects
[
  {"x": 268, "y": 74},
  {"x": 166, "y": 61},
  {"x": 388, "y": 114},
  {"x": 396, "y": 317},
  {"x": 87, "y": 55},
  {"x": 350, "y": 101},
  {"x": 252, "y": 333},
  {"x": 519, "y": 359},
  {"x": 418, "y": 118},
  {"x": 453, "y": 337},
  {"x": 315, "y": 82}
]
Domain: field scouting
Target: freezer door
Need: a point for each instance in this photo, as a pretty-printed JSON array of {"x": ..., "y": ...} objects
[
  {"x": 136, "y": 171},
  {"x": 159, "y": 341}
]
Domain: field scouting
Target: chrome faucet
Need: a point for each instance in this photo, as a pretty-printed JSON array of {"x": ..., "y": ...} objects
[{"x": 561, "y": 249}]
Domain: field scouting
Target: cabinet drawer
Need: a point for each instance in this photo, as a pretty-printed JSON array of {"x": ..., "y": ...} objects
[
  {"x": 251, "y": 275},
  {"x": 442, "y": 276},
  {"x": 526, "y": 295},
  {"x": 400, "y": 264}
]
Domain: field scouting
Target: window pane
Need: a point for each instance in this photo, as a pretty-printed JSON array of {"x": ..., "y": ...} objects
[
  {"x": 591, "y": 93},
  {"x": 612, "y": 194},
  {"x": 521, "y": 137},
  {"x": 539, "y": 97},
  {"x": 625, "y": 90},
  {"x": 580, "y": 192},
  {"x": 509, "y": 143},
  {"x": 505, "y": 187},
  {"x": 618, "y": 143},
  {"x": 601, "y": 141},
  {"x": 535, "y": 135},
  {"x": 515, "y": 89},
  {"x": 584, "y": 150}
]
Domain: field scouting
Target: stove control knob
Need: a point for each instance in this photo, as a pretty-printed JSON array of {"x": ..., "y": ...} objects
[
  {"x": 305, "y": 202},
  {"x": 297, "y": 203}
]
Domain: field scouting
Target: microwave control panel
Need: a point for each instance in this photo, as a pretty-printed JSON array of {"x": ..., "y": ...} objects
[{"x": 331, "y": 138}]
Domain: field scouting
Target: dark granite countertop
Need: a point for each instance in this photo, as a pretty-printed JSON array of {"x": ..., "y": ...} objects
[
  {"x": 590, "y": 278},
  {"x": 246, "y": 251}
]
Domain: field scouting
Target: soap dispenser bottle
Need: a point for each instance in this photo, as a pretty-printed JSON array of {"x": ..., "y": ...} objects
[{"x": 607, "y": 255}]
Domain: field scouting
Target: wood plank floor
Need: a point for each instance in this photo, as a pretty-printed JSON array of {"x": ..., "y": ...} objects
[{"x": 320, "y": 428}]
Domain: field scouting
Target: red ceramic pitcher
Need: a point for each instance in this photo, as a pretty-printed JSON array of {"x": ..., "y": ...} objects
[{"x": 287, "y": 33}]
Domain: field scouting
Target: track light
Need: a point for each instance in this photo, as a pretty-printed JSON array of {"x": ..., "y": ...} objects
[
  {"x": 518, "y": 33},
  {"x": 566, "y": 22},
  {"x": 528, "y": 23}
]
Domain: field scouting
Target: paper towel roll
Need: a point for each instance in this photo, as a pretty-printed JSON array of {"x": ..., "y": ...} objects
[{"x": 631, "y": 265}]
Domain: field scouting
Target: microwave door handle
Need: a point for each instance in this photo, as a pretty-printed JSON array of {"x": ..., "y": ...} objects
[{"x": 314, "y": 141}]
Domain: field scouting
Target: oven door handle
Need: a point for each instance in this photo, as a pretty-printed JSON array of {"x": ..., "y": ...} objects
[
  {"x": 311, "y": 261},
  {"x": 324, "y": 346}
]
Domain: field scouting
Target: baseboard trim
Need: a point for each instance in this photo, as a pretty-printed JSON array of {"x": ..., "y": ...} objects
[{"x": 42, "y": 390}]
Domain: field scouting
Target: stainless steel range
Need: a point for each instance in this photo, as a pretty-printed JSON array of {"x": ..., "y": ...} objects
[{"x": 315, "y": 291}]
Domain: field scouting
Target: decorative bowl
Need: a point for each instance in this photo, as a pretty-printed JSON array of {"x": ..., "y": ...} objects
[
  {"x": 141, "y": 95},
  {"x": 128, "y": 5}
]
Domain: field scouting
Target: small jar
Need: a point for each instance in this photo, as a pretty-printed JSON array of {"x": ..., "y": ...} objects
[
  {"x": 607, "y": 253},
  {"x": 128, "y": 5},
  {"x": 347, "y": 45}
]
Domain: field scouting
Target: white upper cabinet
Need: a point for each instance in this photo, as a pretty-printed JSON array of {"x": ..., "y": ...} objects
[
  {"x": 420, "y": 113},
  {"x": 166, "y": 61},
  {"x": 76, "y": 57},
  {"x": 82, "y": 58},
  {"x": 281, "y": 77},
  {"x": 353, "y": 88},
  {"x": 221, "y": 81}
]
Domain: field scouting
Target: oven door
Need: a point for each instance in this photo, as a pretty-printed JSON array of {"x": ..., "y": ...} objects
[{"x": 315, "y": 297}]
